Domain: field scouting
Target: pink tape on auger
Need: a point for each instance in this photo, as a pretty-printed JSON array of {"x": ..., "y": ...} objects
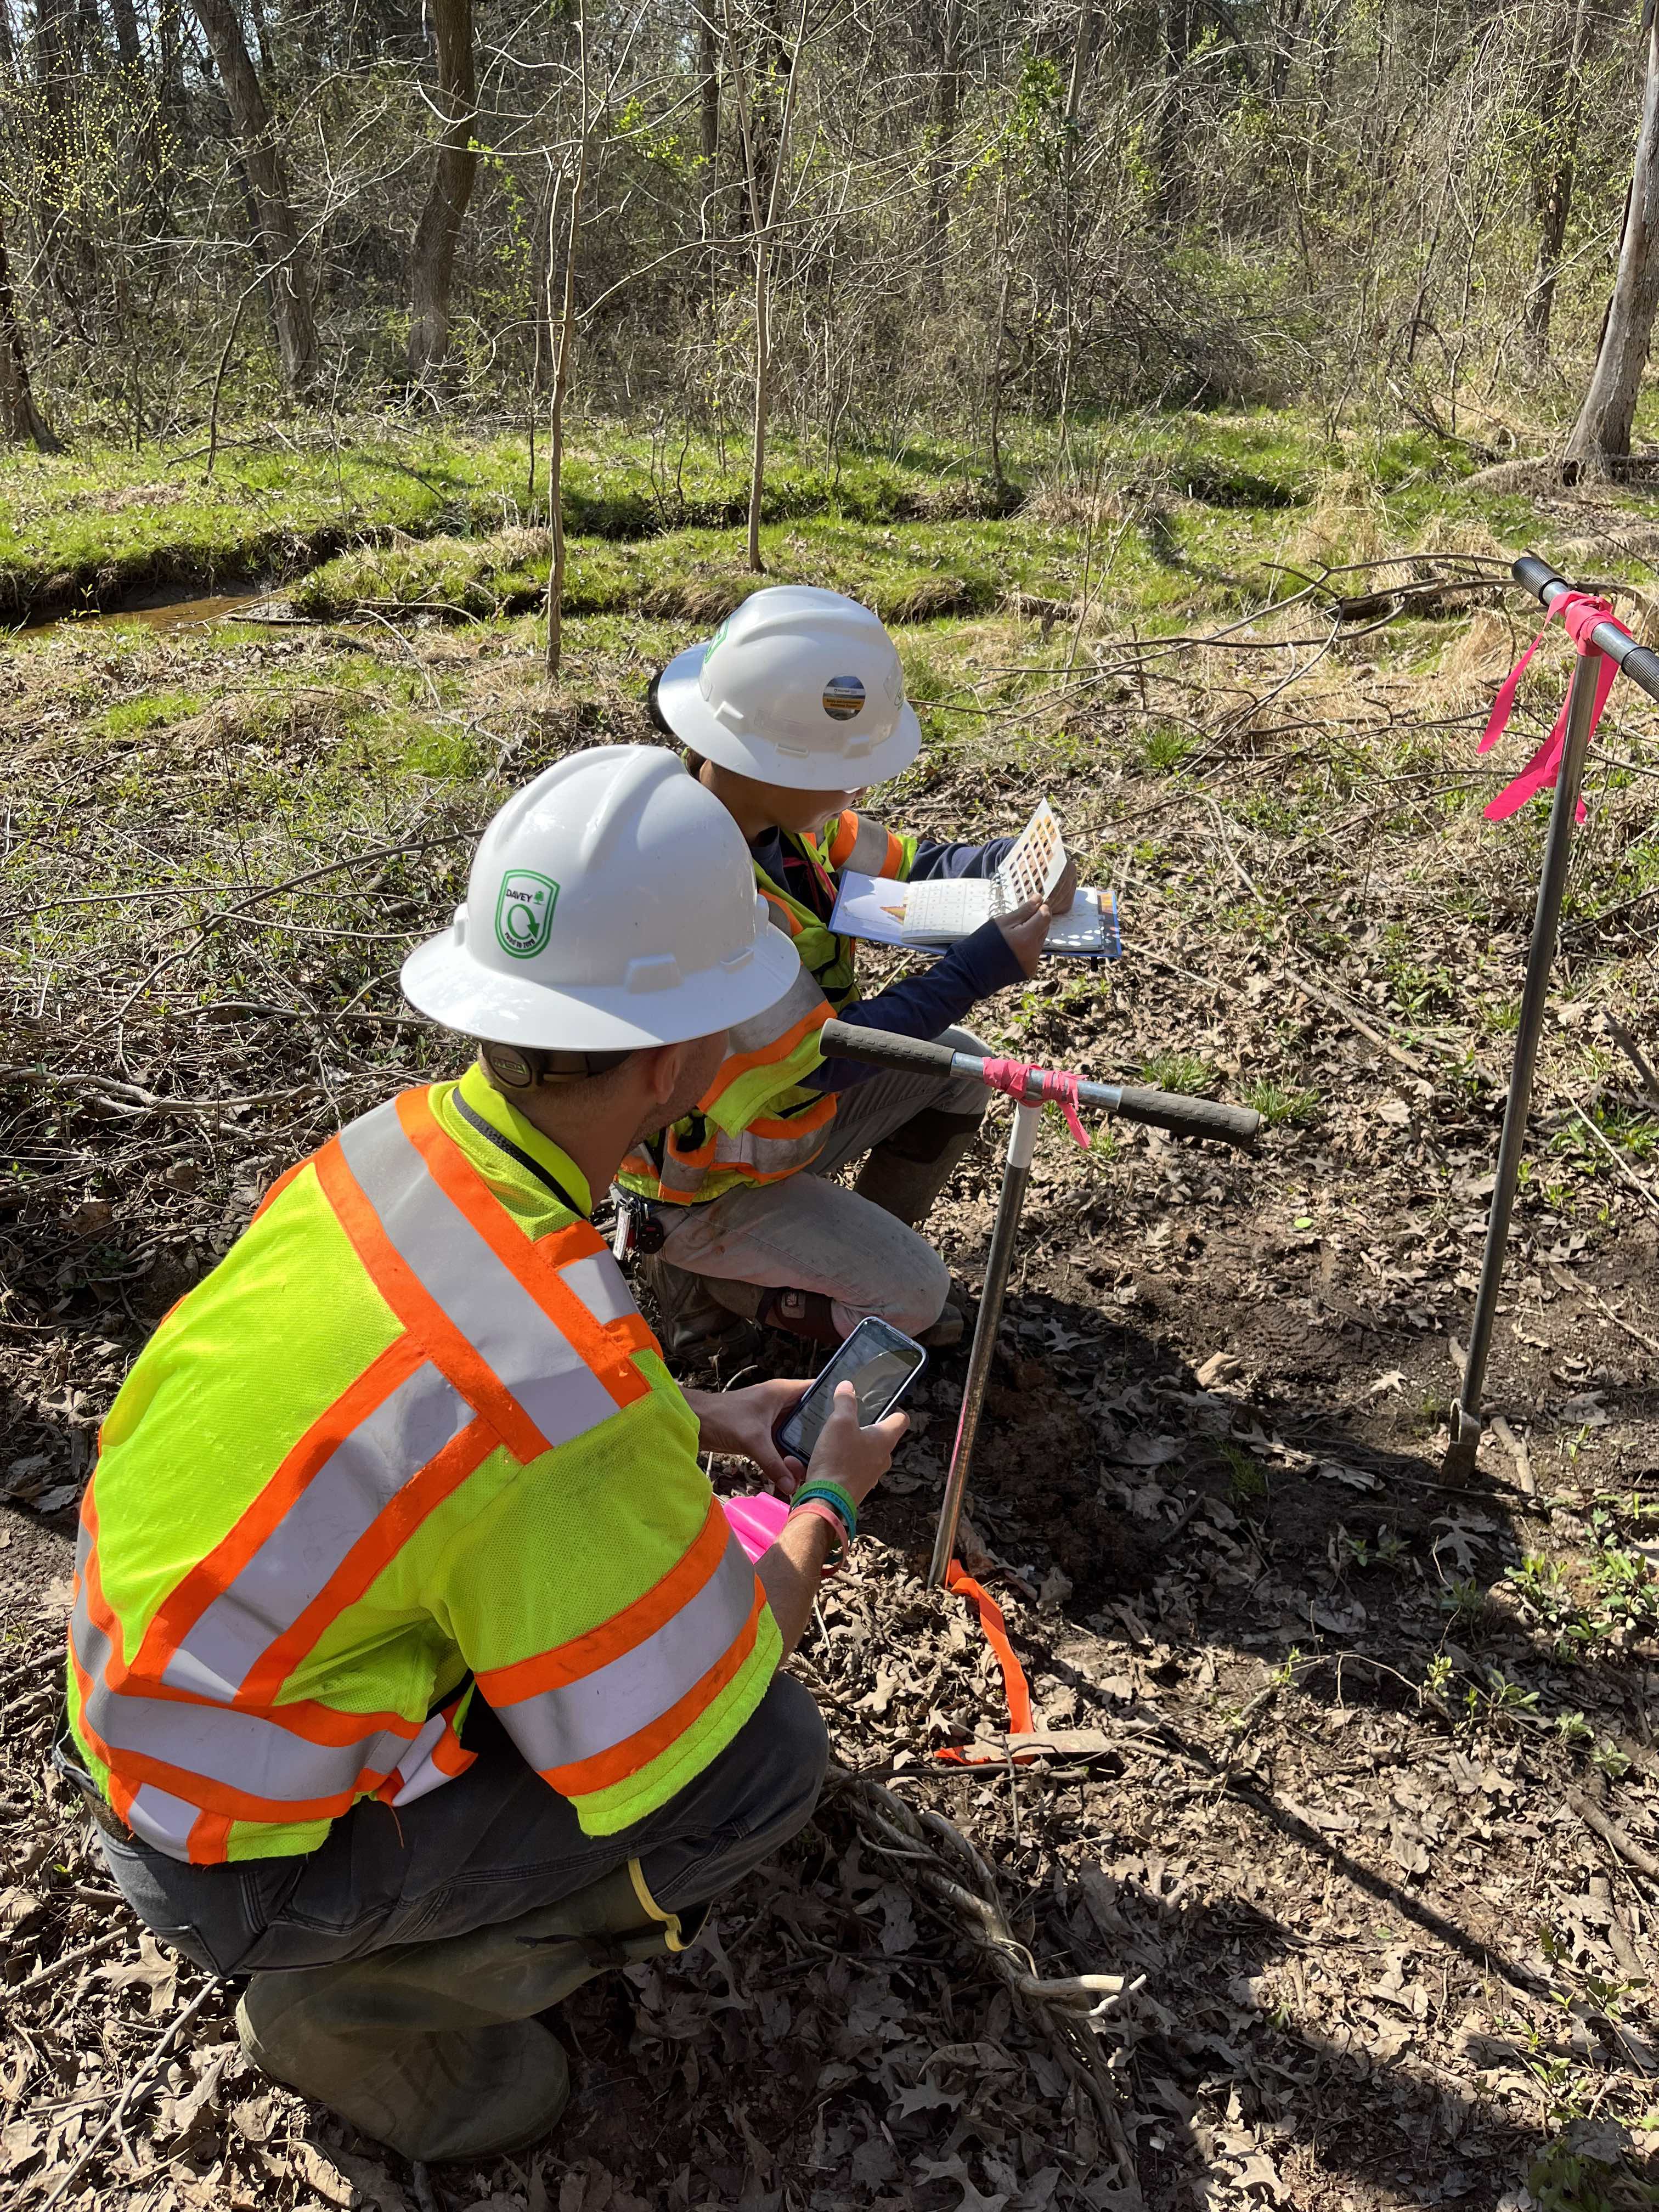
[
  {"x": 1580, "y": 612},
  {"x": 1016, "y": 1077}
]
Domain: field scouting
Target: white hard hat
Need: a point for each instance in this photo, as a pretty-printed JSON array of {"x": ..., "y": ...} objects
[
  {"x": 611, "y": 904},
  {"x": 798, "y": 687}
]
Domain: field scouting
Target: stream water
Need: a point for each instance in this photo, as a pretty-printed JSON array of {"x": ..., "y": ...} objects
[{"x": 156, "y": 611}]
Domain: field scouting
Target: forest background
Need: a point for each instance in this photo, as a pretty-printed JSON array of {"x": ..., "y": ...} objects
[{"x": 940, "y": 212}]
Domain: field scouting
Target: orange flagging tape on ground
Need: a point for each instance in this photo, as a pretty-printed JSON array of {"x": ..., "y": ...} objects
[{"x": 1015, "y": 1687}]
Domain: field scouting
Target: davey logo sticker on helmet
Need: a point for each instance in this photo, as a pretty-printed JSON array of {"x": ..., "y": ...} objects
[
  {"x": 843, "y": 697},
  {"x": 523, "y": 912}
]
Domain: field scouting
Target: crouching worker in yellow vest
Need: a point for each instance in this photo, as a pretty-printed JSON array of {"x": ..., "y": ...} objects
[
  {"x": 794, "y": 705},
  {"x": 414, "y": 1671}
]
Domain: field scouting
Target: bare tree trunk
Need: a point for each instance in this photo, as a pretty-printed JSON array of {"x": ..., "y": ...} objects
[
  {"x": 561, "y": 369},
  {"x": 995, "y": 418},
  {"x": 1600, "y": 436},
  {"x": 1561, "y": 109},
  {"x": 432, "y": 257},
  {"x": 128, "y": 44},
  {"x": 947, "y": 101},
  {"x": 708, "y": 88},
  {"x": 276, "y": 242},
  {"x": 762, "y": 228},
  {"x": 20, "y": 418}
]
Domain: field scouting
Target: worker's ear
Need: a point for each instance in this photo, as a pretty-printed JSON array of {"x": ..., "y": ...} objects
[{"x": 663, "y": 1068}]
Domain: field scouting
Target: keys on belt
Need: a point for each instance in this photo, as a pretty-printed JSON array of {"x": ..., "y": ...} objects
[{"x": 639, "y": 1231}]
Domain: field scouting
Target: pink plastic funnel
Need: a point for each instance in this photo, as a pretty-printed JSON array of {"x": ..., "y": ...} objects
[{"x": 756, "y": 1521}]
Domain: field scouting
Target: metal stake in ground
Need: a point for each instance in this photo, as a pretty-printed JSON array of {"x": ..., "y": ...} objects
[
  {"x": 1458, "y": 1465},
  {"x": 1022, "y": 1142}
]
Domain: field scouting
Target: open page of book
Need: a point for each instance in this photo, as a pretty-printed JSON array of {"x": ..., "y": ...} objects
[{"x": 873, "y": 907}]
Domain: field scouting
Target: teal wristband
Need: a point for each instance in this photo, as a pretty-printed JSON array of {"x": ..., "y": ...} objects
[{"x": 839, "y": 1501}]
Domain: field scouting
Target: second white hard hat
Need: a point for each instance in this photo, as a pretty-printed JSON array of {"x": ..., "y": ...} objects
[
  {"x": 611, "y": 905},
  {"x": 798, "y": 687}
]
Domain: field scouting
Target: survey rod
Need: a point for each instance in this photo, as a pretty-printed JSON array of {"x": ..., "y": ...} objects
[
  {"x": 1641, "y": 664},
  {"x": 1163, "y": 1110}
]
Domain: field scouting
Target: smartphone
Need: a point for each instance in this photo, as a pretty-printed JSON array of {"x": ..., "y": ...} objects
[{"x": 880, "y": 1362}]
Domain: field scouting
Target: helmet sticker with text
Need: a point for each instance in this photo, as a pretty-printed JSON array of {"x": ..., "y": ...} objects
[
  {"x": 523, "y": 912},
  {"x": 843, "y": 697}
]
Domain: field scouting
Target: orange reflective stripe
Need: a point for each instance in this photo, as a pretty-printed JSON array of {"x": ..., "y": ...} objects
[
  {"x": 209, "y": 1833},
  {"x": 894, "y": 860},
  {"x": 766, "y": 1056},
  {"x": 823, "y": 1110},
  {"x": 419, "y": 1312},
  {"x": 301, "y": 1716},
  {"x": 184, "y": 1607},
  {"x": 367, "y": 1560},
  {"x": 692, "y": 1156},
  {"x": 792, "y": 921},
  {"x": 533, "y": 1265},
  {"x": 128, "y": 1770},
  {"x": 614, "y": 1638},
  {"x": 846, "y": 835},
  {"x": 609, "y": 1767},
  {"x": 278, "y": 1188}
]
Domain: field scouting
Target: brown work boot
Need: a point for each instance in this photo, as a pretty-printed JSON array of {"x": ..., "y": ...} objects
[
  {"x": 433, "y": 2048},
  {"x": 690, "y": 1317},
  {"x": 948, "y": 1331}
]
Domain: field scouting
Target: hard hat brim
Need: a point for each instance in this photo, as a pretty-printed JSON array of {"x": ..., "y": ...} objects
[
  {"x": 460, "y": 994},
  {"x": 687, "y": 713}
]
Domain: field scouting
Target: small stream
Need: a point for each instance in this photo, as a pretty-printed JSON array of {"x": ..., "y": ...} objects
[{"x": 157, "y": 611}]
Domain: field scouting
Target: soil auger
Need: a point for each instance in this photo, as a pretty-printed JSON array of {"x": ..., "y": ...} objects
[{"x": 1030, "y": 1088}]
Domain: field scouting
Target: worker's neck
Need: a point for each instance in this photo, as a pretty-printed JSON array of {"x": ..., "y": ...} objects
[
  {"x": 747, "y": 802},
  {"x": 590, "y": 1140}
]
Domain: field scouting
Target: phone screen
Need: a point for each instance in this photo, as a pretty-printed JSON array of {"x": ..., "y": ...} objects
[{"x": 879, "y": 1367}]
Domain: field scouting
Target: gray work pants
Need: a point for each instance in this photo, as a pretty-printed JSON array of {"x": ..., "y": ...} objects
[
  {"x": 809, "y": 1233},
  {"x": 485, "y": 1848}
]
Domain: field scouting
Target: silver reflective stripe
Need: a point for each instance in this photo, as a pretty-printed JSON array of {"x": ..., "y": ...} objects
[
  {"x": 245, "y": 1751},
  {"x": 869, "y": 853},
  {"x": 479, "y": 1295},
  {"x": 557, "y": 1727},
  {"x": 765, "y": 1156},
  {"x": 766, "y": 1027},
  {"x": 163, "y": 1820},
  {"x": 337, "y": 1507},
  {"x": 92, "y": 1646},
  {"x": 418, "y": 1773},
  {"x": 600, "y": 1285}
]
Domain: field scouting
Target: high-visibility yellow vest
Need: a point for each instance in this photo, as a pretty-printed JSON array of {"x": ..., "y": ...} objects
[
  {"x": 756, "y": 1122},
  {"x": 410, "y": 1437}
]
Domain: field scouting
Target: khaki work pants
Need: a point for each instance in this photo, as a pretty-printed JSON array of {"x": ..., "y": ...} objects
[{"x": 809, "y": 1233}]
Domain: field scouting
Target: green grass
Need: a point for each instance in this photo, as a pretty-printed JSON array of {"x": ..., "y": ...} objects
[
  {"x": 1179, "y": 510},
  {"x": 1178, "y": 1071},
  {"x": 1279, "y": 1106}
]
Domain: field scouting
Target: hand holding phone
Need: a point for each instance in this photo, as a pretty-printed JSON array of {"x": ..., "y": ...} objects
[
  {"x": 852, "y": 1452},
  {"x": 878, "y": 1360}
]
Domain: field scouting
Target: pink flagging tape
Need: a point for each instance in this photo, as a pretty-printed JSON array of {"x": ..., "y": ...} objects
[
  {"x": 1032, "y": 1086},
  {"x": 1580, "y": 612}
]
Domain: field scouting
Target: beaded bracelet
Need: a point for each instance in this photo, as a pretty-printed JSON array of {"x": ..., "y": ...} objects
[
  {"x": 816, "y": 1509},
  {"x": 833, "y": 1494}
]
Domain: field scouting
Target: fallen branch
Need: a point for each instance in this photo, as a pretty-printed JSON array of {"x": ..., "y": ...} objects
[
  {"x": 181, "y": 2021},
  {"x": 1066, "y": 2006},
  {"x": 1610, "y": 1833}
]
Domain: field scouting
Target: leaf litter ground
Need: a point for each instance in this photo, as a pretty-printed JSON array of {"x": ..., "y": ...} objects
[{"x": 1351, "y": 1774}]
